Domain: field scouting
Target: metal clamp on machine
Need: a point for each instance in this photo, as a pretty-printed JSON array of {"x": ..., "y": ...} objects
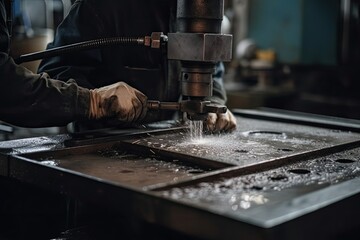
[{"x": 156, "y": 40}]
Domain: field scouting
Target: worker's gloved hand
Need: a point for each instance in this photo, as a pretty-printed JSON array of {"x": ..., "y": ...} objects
[
  {"x": 118, "y": 100},
  {"x": 224, "y": 122}
]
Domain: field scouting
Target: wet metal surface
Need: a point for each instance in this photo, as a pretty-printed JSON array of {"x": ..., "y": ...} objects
[
  {"x": 253, "y": 142},
  {"x": 121, "y": 167},
  {"x": 30, "y": 145},
  {"x": 143, "y": 173},
  {"x": 242, "y": 193}
]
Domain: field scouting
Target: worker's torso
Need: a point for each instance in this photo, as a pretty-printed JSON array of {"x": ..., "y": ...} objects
[{"x": 144, "y": 68}]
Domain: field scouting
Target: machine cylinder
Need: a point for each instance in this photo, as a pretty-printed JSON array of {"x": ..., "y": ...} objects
[
  {"x": 198, "y": 16},
  {"x": 196, "y": 80}
]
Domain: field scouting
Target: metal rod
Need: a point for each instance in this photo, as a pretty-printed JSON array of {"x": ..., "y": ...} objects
[{"x": 157, "y": 105}]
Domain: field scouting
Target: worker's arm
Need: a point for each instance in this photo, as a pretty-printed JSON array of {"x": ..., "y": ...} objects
[
  {"x": 35, "y": 100},
  {"x": 225, "y": 122}
]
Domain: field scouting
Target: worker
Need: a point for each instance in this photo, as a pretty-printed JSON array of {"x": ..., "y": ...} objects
[
  {"x": 36, "y": 100},
  {"x": 143, "y": 68}
]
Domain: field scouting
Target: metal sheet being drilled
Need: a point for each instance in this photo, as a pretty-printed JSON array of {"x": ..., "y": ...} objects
[
  {"x": 273, "y": 198},
  {"x": 252, "y": 143},
  {"x": 236, "y": 193},
  {"x": 240, "y": 194}
]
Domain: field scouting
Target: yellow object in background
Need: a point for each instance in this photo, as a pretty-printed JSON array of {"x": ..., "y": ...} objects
[{"x": 266, "y": 55}]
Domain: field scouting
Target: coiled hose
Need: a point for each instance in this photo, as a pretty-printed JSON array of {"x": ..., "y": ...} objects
[{"x": 81, "y": 46}]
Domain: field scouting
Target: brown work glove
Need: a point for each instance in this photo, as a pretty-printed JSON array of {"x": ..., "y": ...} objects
[
  {"x": 224, "y": 122},
  {"x": 118, "y": 100}
]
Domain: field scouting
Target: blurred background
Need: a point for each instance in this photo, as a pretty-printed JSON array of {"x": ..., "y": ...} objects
[
  {"x": 300, "y": 55},
  {"x": 35, "y": 22}
]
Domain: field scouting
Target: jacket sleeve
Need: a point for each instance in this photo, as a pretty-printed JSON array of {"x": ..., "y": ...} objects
[{"x": 35, "y": 100}]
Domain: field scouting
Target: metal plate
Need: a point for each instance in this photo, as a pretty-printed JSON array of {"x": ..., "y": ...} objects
[
  {"x": 254, "y": 142},
  {"x": 116, "y": 165},
  {"x": 30, "y": 145},
  {"x": 252, "y": 191},
  {"x": 241, "y": 195}
]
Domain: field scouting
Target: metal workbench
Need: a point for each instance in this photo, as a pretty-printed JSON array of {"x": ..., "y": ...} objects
[{"x": 280, "y": 175}]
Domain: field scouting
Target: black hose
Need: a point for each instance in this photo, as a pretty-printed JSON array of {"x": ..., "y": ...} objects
[{"x": 91, "y": 44}]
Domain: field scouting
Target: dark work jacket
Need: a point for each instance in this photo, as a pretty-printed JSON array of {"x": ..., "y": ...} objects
[
  {"x": 35, "y": 100},
  {"x": 141, "y": 67}
]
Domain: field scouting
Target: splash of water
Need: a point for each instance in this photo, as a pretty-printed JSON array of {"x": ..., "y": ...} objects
[{"x": 196, "y": 130}]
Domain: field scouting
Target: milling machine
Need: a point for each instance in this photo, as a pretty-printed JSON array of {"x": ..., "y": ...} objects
[{"x": 198, "y": 44}]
